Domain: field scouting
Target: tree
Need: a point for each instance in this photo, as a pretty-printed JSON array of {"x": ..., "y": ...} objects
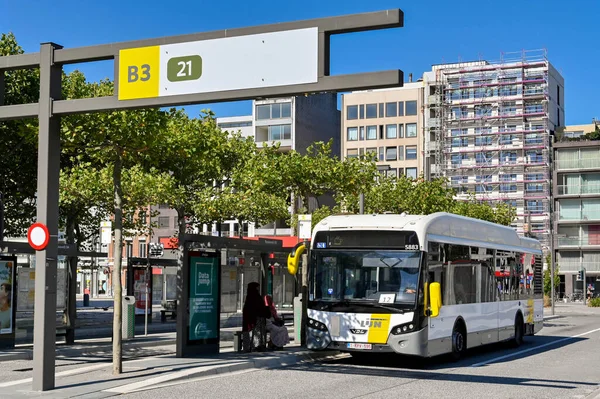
[
  {"x": 121, "y": 145},
  {"x": 548, "y": 277},
  {"x": 18, "y": 140}
]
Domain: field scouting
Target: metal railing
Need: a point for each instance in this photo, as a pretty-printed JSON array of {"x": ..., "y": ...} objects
[
  {"x": 585, "y": 163},
  {"x": 577, "y": 241},
  {"x": 579, "y": 189}
]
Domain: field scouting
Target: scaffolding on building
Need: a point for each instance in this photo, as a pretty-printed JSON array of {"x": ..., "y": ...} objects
[{"x": 490, "y": 125}]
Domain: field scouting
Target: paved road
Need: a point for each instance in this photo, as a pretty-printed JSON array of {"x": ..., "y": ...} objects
[{"x": 561, "y": 362}]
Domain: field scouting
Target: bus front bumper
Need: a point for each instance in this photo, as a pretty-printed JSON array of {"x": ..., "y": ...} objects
[{"x": 412, "y": 344}]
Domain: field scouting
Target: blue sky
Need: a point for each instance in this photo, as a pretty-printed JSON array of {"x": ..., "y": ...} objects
[{"x": 435, "y": 31}]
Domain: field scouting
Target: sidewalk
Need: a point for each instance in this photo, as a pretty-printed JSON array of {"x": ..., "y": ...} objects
[{"x": 141, "y": 374}]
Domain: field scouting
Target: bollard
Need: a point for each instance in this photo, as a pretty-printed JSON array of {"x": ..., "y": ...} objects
[{"x": 86, "y": 300}]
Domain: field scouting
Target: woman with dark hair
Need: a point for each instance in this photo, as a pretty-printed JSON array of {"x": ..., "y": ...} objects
[
  {"x": 275, "y": 326},
  {"x": 254, "y": 318}
]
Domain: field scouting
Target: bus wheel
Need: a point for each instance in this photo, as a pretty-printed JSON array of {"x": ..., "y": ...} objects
[
  {"x": 459, "y": 341},
  {"x": 519, "y": 331}
]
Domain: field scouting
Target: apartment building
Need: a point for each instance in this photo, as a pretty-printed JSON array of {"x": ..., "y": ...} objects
[
  {"x": 388, "y": 124},
  {"x": 576, "y": 190},
  {"x": 488, "y": 129}
]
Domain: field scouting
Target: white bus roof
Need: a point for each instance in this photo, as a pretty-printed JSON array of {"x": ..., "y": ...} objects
[{"x": 441, "y": 227}]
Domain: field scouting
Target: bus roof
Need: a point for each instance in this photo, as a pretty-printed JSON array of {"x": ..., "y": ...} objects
[{"x": 440, "y": 226}]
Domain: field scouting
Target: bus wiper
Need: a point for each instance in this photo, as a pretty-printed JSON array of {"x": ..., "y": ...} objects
[{"x": 376, "y": 305}]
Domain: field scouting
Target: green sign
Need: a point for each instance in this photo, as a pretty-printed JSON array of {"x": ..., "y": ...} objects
[
  {"x": 188, "y": 67},
  {"x": 204, "y": 298}
]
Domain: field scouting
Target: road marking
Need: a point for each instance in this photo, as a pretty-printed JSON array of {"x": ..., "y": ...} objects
[{"x": 534, "y": 348}]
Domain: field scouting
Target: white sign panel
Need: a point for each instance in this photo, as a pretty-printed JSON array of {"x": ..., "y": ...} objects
[
  {"x": 304, "y": 227},
  {"x": 235, "y": 63}
]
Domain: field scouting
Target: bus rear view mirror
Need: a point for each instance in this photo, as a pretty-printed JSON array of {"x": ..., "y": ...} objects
[{"x": 435, "y": 298}]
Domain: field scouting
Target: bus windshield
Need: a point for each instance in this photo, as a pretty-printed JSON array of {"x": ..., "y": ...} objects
[{"x": 387, "y": 277}]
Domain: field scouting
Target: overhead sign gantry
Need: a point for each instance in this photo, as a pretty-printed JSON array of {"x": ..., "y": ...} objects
[{"x": 174, "y": 71}]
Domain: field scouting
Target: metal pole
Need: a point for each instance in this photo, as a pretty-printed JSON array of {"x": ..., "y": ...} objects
[
  {"x": 552, "y": 263},
  {"x": 44, "y": 319},
  {"x": 361, "y": 203},
  {"x": 304, "y": 298},
  {"x": 146, "y": 312}
]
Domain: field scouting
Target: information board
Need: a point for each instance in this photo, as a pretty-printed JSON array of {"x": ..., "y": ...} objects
[
  {"x": 234, "y": 63},
  {"x": 26, "y": 289},
  {"x": 204, "y": 298}
]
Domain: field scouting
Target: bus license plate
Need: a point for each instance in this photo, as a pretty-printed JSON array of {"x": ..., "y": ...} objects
[{"x": 359, "y": 346}]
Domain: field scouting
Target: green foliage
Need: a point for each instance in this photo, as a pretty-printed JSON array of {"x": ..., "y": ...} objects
[
  {"x": 594, "y": 303},
  {"x": 548, "y": 277},
  {"x": 18, "y": 141}
]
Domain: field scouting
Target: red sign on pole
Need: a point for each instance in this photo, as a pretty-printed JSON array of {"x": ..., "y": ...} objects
[{"x": 38, "y": 236}]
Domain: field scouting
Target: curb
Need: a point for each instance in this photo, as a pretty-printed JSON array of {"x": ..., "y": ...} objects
[
  {"x": 550, "y": 317},
  {"x": 227, "y": 368}
]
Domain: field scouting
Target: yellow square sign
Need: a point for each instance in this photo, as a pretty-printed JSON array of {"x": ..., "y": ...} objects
[{"x": 139, "y": 73}]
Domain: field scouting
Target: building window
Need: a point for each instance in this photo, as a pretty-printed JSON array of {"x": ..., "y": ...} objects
[
  {"x": 381, "y": 149},
  {"x": 371, "y": 132},
  {"x": 390, "y": 131},
  {"x": 352, "y": 134},
  {"x": 411, "y": 108},
  {"x": 401, "y": 108},
  {"x": 391, "y": 109},
  {"x": 352, "y": 153},
  {"x": 400, "y": 130},
  {"x": 142, "y": 249},
  {"x": 352, "y": 112},
  {"x": 129, "y": 250},
  {"x": 371, "y": 111},
  {"x": 362, "y": 133},
  {"x": 280, "y": 132},
  {"x": 381, "y": 110},
  {"x": 392, "y": 172},
  {"x": 274, "y": 111},
  {"x": 176, "y": 222},
  {"x": 163, "y": 206},
  {"x": 411, "y": 173},
  {"x": 411, "y": 152},
  {"x": 263, "y": 112},
  {"x": 400, "y": 153},
  {"x": 142, "y": 217},
  {"x": 483, "y": 140},
  {"x": 163, "y": 222},
  {"x": 371, "y": 151},
  {"x": 411, "y": 130},
  {"x": 361, "y": 111},
  {"x": 390, "y": 153}
]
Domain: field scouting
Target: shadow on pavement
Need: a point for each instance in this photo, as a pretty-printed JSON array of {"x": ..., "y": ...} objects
[
  {"x": 432, "y": 375},
  {"x": 495, "y": 353}
]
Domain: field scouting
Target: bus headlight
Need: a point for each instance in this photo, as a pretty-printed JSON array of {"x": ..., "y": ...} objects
[
  {"x": 403, "y": 328},
  {"x": 316, "y": 325}
]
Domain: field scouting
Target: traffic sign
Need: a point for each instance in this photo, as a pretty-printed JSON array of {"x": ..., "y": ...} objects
[
  {"x": 233, "y": 63},
  {"x": 38, "y": 236}
]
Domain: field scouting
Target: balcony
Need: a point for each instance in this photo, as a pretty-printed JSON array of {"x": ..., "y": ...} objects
[
  {"x": 586, "y": 189},
  {"x": 578, "y": 241},
  {"x": 586, "y": 163},
  {"x": 570, "y": 266}
]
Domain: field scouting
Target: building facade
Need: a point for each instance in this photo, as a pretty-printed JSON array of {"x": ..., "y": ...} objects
[
  {"x": 488, "y": 128},
  {"x": 388, "y": 124},
  {"x": 576, "y": 191}
]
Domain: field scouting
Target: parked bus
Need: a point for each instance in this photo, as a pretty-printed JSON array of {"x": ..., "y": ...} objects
[{"x": 421, "y": 285}]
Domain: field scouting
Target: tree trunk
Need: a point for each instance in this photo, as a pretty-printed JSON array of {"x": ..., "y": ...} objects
[{"x": 117, "y": 257}]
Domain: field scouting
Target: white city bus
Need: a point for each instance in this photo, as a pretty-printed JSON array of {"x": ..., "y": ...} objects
[{"x": 421, "y": 285}]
